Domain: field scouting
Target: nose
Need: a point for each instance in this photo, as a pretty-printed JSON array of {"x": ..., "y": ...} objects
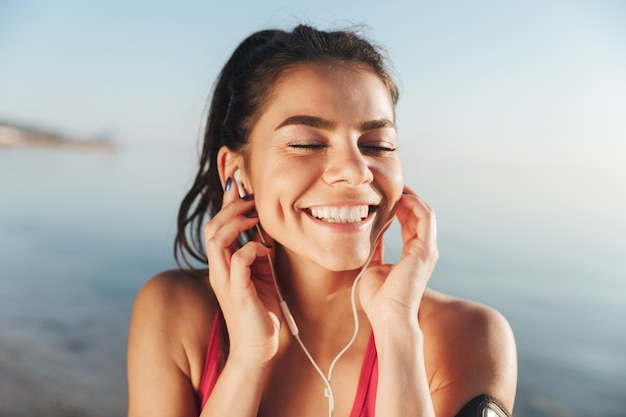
[{"x": 347, "y": 165}]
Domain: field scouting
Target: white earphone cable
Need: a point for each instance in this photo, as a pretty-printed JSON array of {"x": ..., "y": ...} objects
[{"x": 291, "y": 323}]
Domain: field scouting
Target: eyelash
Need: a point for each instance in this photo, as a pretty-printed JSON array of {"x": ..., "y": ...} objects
[
  {"x": 366, "y": 148},
  {"x": 312, "y": 146},
  {"x": 379, "y": 149}
]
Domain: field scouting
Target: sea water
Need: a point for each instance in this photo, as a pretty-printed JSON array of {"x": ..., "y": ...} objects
[{"x": 81, "y": 232}]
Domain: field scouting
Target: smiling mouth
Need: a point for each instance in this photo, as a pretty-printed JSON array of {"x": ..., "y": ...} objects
[{"x": 340, "y": 214}]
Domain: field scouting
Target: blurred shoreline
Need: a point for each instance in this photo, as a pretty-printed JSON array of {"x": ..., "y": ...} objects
[{"x": 15, "y": 135}]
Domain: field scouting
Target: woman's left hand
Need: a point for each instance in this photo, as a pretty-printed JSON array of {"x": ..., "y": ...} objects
[{"x": 392, "y": 292}]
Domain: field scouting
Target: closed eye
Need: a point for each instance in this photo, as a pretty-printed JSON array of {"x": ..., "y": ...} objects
[
  {"x": 307, "y": 146},
  {"x": 377, "y": 149}
]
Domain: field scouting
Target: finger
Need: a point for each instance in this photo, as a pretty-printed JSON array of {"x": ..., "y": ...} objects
[
  {"x": 416, "y": 218},
  {"x": 228, "y": 212},
  {"x": 220, "y": 246},
  {"x": 232, "y": 205},
  {"x": 231, "y": 193},
  {"x": 262, "y": 236},
  {"x": 220, "y": 235},
  {"x": 407, "y": 190},
  {"x": 226, "y": 232},
  {"x": 241, "y": 262},
  {"x": 261, "y": 267}
]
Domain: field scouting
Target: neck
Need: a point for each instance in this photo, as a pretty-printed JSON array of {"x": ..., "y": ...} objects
[
  {"x": 308, "y": 285},
  {"x": 316, "y": 297}
]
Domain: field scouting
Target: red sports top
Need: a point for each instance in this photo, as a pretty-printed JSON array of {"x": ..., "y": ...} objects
[{"x": 364, "y": 402}]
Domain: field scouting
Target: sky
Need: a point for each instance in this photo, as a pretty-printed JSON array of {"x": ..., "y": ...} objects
[
  {"x": 469, "y": 70},
  {"x": 524, "y": 98}
]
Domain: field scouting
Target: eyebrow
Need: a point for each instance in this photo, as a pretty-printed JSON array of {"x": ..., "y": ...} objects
[
  {"x": 320, "y": 123},
  {"x": 377, "y": 124},
  {"x": 310, "y": 121}
]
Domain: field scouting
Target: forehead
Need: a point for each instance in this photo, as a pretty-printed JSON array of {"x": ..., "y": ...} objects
[{"x": 330, "y": 88}]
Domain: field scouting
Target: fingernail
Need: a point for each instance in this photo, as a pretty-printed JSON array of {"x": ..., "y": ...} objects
[
  {"x": 248, "y": 197},
  {"x": 267, "y": 245},
  {"x": 229, "y": 184},
  {"x": 251, "y": 214}
]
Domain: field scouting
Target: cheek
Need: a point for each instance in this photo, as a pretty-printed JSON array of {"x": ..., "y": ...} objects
[
  {"x": 391, "y": 180},
  {"x": 398, "y": 182},
  {"x": 277, "y": 188}
]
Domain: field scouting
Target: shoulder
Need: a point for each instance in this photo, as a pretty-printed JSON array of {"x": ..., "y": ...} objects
[
  {"x": 175, "y": 290},
  {"x": 471, "y": 349},
  {"x": 465, "y": 320},
  {"x": 175, "y": 301},
  {"x": 169, "y": 332}
]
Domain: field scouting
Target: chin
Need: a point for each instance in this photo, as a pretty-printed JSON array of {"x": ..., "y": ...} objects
[{"x": 344, "y": 261}]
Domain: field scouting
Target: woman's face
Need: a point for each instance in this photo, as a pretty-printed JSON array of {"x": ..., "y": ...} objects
[{"x": 322, "y": 164}]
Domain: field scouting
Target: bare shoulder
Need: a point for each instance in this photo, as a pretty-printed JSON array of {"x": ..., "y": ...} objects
[
  {"x": 471, "y": 350},
  {"x": 169, "y": 333},
  {"x": 178, "y": 307},
  {"x": 176, "y": 290},
  {"x": 464, "y": 320}
]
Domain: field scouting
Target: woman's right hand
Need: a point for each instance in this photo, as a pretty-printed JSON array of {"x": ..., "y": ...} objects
[{"x": 242, "y": 282}]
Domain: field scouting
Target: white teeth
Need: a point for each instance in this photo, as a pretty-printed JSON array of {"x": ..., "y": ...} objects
[{"x": 343, "y": 214}]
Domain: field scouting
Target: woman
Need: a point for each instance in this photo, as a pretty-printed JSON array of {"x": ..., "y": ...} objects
[{"x": 300, "y": 151}]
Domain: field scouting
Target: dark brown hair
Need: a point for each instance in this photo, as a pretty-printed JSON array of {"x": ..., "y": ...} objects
[{"x": 238, "y": 99}]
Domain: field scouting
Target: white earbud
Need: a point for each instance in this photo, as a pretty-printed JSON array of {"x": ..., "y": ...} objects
[{"x": 237, "y": 177}]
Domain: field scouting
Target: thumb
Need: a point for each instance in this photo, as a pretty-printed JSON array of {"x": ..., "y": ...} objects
[{"x": 261, "y": 266}]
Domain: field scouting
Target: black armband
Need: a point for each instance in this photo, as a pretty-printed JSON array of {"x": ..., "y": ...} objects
[{"x": 483, "y": 406}]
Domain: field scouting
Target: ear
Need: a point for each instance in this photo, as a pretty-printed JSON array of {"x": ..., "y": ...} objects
[{"x": 228, "y": 161}]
